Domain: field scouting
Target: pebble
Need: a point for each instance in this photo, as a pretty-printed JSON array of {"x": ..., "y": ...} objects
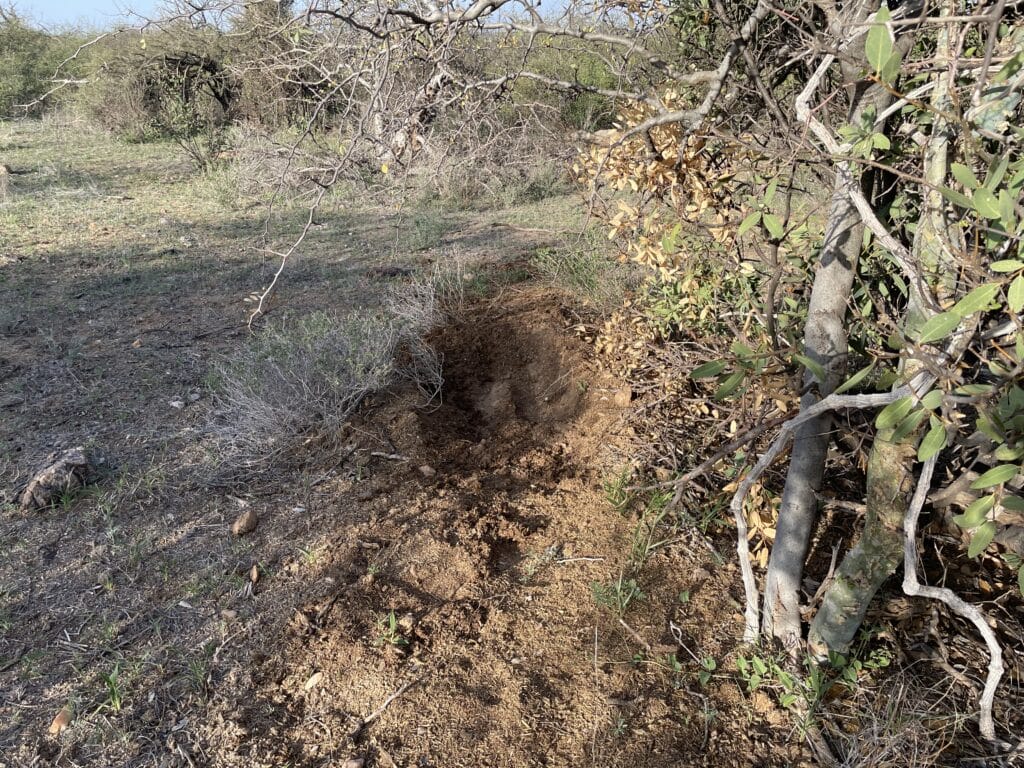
[{"x": 245, "y": 523}]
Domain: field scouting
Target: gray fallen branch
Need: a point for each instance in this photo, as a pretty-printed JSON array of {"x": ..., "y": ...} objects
[{"x": 971, "y": 613}]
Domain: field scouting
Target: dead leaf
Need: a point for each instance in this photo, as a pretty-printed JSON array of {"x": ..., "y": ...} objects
[
  {"x": 254, "y": 574},
  {"x": 313, "y": 681}
]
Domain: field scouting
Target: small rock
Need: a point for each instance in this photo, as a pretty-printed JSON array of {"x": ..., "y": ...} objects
[
  {"x": 64, "y": 472},
  {"x": 229, "y": 615},
  {"x": 177, "y": 404},
  {"x": 193, "y": 397},
  {"x": 365, "y": 494},
  {"x": 354, "y": 762},
  {"x": 701, "y": 575},
  {"x": 245, "y": 523},
  {"x": 407, "y": 622},
  {"x": 61, "y": 721},
  {"x": 254, "y": 574},
  {"x": 427, "y": 471}
]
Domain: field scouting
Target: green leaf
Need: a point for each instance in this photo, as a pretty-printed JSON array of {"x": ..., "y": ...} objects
[
  {"x": 748, "y": 223},
  {"x": 909, "y": 424},
  {"x": 774, "y": 226},
  {"x": 1015, "y": 503},
  {"x": 708, "y": 370},
  {"x": 933, "y": 442},
  {"x": 878, "y": 46},
  {"x": 1006, "y": 265},
  {"x": 964, "y": 175},
  {"x": 1009, "y": 453},
  {"x": 1006, "y": 211},
  {"x": 741, "y": 350},
  {"x": 996, "y": 476},
  {"x": 976, "y": 513},
  {"x": 856, "y": 379},
  {"x": 974, "y": 390},
  {"x": 1015, "y": 294},
  {"x": 981, "y": 539},
  {"x": 938, "y": 327},
  {"x": 975, "y": 301},
  {"x": 891, "y": 69},
  {"x": 997, "y": 170},
  {"x": 986, "y": 203},
  {"x": 730, "y": 385},
  {"x": 956, "y": 198},
  {"x": 932, "y": 400},
  {"x": 769, "y": 192},
  {"x": 816, "y": 369},
  {"x": 1020, "y": 579},
  {"x": 894, "y": 413}
]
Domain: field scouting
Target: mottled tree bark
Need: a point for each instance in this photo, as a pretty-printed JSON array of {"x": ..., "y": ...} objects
[{"x": 891, "y": 464}]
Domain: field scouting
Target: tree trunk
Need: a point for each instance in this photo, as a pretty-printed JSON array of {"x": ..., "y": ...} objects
[
  {"x": 891, "y": 464},
  {"x": 824, "y": 342}
]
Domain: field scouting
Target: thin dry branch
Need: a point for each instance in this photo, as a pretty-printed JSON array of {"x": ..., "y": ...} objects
[{"x": 971, "y": 613}]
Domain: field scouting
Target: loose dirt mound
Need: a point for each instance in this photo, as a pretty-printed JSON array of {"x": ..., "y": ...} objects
[{"x": 475, "y": 559}]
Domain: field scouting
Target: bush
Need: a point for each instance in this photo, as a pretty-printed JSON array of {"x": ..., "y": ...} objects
[
  {"x": 299, "y": 378},
  {"x": 29, "y": 58}
]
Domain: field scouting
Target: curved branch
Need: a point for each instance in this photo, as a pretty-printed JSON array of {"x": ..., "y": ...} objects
[{"x": 971, "y": 613}]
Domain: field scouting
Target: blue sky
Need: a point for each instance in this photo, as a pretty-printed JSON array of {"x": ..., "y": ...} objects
[
  {"x": 95, "y": 13},
  {"x": 106, "y": 13}
]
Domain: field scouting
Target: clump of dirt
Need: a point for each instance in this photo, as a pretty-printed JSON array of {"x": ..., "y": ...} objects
[{"x": 452, "y": 620}]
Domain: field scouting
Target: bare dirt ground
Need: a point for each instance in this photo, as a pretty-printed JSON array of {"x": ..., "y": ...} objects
[{"x": 458, "y": 584}]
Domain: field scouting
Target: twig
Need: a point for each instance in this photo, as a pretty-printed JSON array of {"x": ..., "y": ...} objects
[
  {"x": 971, "y": 613},
  {"x": 380, "y": 710},
  {"x": 636, "y": 636}
]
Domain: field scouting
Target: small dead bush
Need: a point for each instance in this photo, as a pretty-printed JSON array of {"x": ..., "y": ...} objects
[
  {"x": 419, "y": 307},
  {"x": 898, "y": 726},
  {"x": 299, "y": 378}
]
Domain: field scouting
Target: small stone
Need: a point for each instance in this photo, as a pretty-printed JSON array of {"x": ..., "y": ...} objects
[
  {"x": 61, "y": 721},
  {"x": 365, "y": 494},
  {"x": 427, "y": 471},
  {"x": 314, "y": 681},
  {"x": 228, "y": 615},
  {"x": 245, "y": 523},
  {"x": 700, "y": 576},
  {"x": 254, "y": 574},
  {"x": 354, "y": 762},
  {"x": 407, "y": 622},
  {"x": 177, "y": 404}
]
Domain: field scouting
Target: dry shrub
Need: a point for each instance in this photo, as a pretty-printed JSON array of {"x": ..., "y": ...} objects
[
  {"x": 418, "y": 308},
  {"x": 299, "y": 379},
  {"x": 899, "y": 725}
]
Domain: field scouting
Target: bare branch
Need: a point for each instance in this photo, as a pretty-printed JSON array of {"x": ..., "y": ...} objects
[{"x": 971, "y": 613}]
